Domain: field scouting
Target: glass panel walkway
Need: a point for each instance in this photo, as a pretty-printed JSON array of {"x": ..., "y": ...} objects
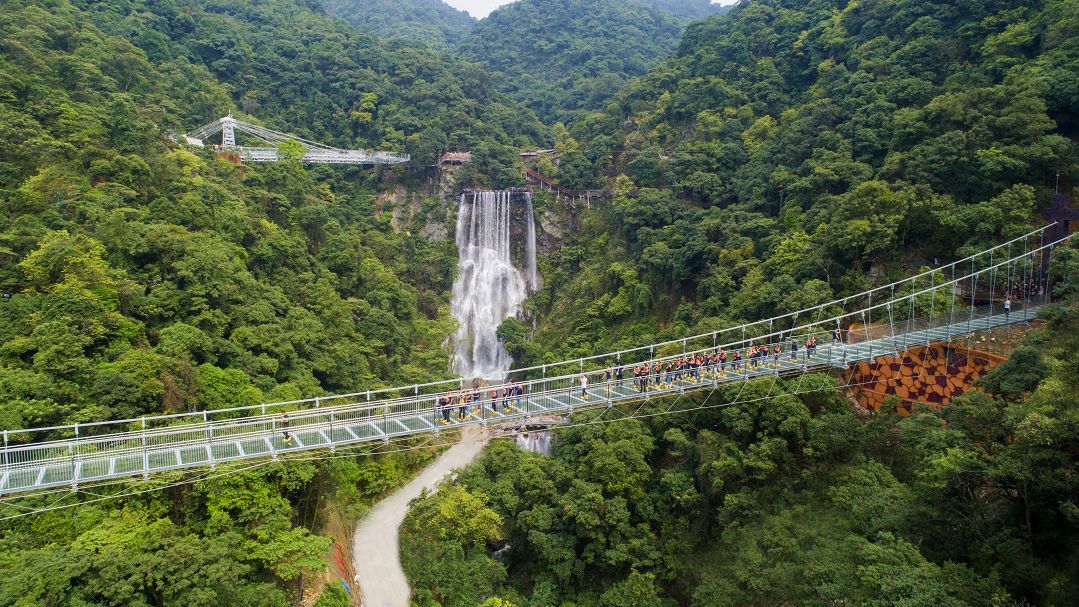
[{"x": 955, "y": 300}]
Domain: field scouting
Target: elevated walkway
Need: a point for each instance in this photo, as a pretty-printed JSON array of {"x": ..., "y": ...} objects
[
  {"x": 314, "y": 153},
  {"x": 919, "y": 310},
  {"x": 537, "y": 178}
]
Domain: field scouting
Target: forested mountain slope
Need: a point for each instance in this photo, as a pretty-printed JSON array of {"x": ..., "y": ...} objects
[
  {"x": 183, "y": 261},
  {"x": 432, "y": 22},
  {"x": 139, "y": 277},
  {"x": 564, "y": 56},
  {"x": 779, "y": 493},
  {"x": 794, "y": 151},
  {"x": 690, "y": 9}
]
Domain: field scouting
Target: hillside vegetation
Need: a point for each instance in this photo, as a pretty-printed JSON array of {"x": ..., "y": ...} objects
[
  {"x": 779, "y": 156},
  {"x": 794, "y": 150},
  {"x": 431, "y": 22},
  {"x": 776, "y": 492},
  {"x": 561, "y": 57},
  {"x": 140, "y": 277},
  {"x": 140, "y": 274}
]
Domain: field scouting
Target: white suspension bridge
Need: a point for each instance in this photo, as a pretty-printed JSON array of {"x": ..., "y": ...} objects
[
  {"x": 954, "y": 300},
  {"x": 316, "y": 153}
]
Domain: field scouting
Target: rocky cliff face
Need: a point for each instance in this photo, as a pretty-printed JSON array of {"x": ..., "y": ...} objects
[{"x": 431, "y": 212}]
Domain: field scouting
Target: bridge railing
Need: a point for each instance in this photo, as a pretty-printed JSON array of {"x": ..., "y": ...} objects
[
  {"x": 86, "y": 457},
  {"x": 133, "y": 442},
  {"x": 875, "y": 300}
]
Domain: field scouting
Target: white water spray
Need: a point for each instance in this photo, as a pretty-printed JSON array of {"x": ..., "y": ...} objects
[
  {"x": 536, "y": 442},
  {"x": 488, "y": 289}
]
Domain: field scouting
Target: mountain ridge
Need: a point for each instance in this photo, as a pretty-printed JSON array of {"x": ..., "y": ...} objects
[{"x": 431, "y": 22}]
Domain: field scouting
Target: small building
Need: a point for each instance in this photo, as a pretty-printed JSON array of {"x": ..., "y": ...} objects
[{"x": 455, "y": 158}]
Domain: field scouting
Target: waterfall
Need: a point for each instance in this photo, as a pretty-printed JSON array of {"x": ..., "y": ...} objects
[
  {"x": 530, "y": 249},
  {"x": 535, "y": 442},
  {"x": 489, "y": 288}
]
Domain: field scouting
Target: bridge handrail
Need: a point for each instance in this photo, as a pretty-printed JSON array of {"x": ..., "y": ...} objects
[
  {"x": 840, "y": 301},
  {"x": 67, "y": 452},
  {"x": 371, "y": 406},
  {"x": 457, "y": 382}
]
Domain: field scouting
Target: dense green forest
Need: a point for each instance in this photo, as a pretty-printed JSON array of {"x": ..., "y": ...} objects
[
  {"x": 432, "y": 22},
  {"x": 140, "y": 277},
  {"x": 771, "y": 158},
  {"x": 789, "y": 499},
  {"x": 562, "y": 57},
  {"x": 690, "y": 9},
  {"x": 795, "y": 151}
]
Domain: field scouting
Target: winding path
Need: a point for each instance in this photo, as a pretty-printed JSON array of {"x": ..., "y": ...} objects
[{"x": 379, "y": 576}]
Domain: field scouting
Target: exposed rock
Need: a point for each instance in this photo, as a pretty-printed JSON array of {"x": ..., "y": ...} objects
[
  {"x": 549, "y": 232},
  {"x": 434, "y": 231}
]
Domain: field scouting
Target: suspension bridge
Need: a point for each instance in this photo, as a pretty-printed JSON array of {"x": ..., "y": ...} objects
[
  {"x": 950, "y": 301},
  {"x": 315, "y": 153}
]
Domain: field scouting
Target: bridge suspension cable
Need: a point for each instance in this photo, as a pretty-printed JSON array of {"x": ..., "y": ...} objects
[
  {"x": 374, "y": 448},
  {"x": 316, "y": 153},
  {"x": 39, "y": 458}
]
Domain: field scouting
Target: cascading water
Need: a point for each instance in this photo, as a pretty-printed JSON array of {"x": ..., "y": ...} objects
[
  {"x": 530, "y": 248},
  {"x": 488, "y": 289},
  {"x": 536, "y": 442}
]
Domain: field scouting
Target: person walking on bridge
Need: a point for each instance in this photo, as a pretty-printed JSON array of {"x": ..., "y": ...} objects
[
  {"x": 584, "y": 386},
  {"x": 443, "y": 409},
  {"x": 284, "y": 428},
  {"x": 1007, "y": 308}
]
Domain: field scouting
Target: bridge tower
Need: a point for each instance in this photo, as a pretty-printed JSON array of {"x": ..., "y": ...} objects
[{"x": 228, "y": 131}]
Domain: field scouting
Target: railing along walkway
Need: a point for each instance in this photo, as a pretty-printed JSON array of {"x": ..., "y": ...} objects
[
  {"x": 39, "y": 458},
  {"x": 140, "y": 453}
]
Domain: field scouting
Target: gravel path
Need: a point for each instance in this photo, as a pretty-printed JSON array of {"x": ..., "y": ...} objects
[{"x": 379, "y": 576}]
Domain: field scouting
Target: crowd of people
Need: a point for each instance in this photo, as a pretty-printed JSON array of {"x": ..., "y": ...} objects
[
  {"x": 1023, "y": 291},
  {"x": 478, "y": 400},
  {"x": 663, "y": 374},
  {"x": 481, "y": 402}
]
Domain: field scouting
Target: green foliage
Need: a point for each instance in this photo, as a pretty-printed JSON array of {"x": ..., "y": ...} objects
[
  {"x": 566, "y": 57},
  {"x": 333, "y": 595},
  {"x": 795, "y": 152},
  {"x": 785, "y": 495},
  {"x": 144, "y": 277},
  {"x": 455, "y": 515},
  {"x": 444, "y": 548},
  {"x": 1021, "y": 373},
  {"x": 430, "y": 22}
]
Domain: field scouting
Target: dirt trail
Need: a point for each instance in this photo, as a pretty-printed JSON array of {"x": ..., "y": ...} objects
[{"x": 379, "y": 576}]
